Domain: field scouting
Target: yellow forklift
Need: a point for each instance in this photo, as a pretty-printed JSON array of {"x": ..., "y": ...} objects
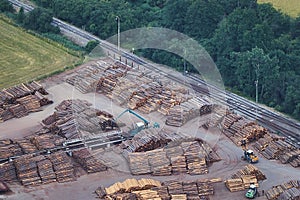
[{"x": 248, "y": 153}]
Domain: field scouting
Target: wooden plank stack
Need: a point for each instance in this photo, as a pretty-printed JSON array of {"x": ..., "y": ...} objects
[
  {"x": 159, "y": 163},
  {"x": 46, "y": 141},
  {"x": 235, "y": 184},
  {"x": 27, "y": 170},
  {"x": 3, "y": 187},
  {"x": 138, "y": 163},
  {"x": 186, "y": 111},
  {"x": 88, "y": 161},
  {"x": 8, "y": 172},
  {"x": 10, "y": 149},
  {"x": 151, "y": 189},
  {"x": 63, "y": 167},
  {"x": 26, "y": 146},
  {"x": 249, "y": 170},
  {"x": 46, "y": 172},
  {"x": 18, "y": 101},
  {"x": 287, "y": 190}
]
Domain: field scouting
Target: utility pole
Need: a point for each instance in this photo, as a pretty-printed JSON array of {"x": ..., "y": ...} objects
[
  {"x": 118, "y": 21},
  {"x": 184, "y": 63},
  {"x": 256, "y": 91}
]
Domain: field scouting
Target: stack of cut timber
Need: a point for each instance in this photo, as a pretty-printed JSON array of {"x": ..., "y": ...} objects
[
  {"x": 234, "y": 184},
  {"x": 8, "y": 172},
  {"x": 178, "y": 164},
  {"x": 9, "y": 150},
  {"x": 18, "y": 110},
  {"x": 292, "y": 193},
  {"x": 250, "y": 170},
  {"x": 26, "y": 146},
  {"x": 162, "y": 191},
  {"x": 5, "y": 114},
  {"x": 138, "y": 163},
  {"x": 43, "y": 101},
  {"x": 179, "y": 196},
  {"x": 88, "y": 161},
  {"x": 146, "y": 194},
  {"x": 296, "y": 162},
  {"x": 35, "y": 86},
  {"x": 288, "y": 190},
  {"x": 261, "y": 144},
  {"x": 248, "y": 180},
  {"x": 190, "y": 188},
  {"x": 31, "y": 103},
  {"x": 289, "y": 156},
  {"x": 27, "y": 171},
  {"x": 18, "y": 91},
  {"x": 159, "y": 163},
  {"x": 46, "y": 141},
  {"x": 205, "y": 188},
  {"x": 195, "y": 158},
  {"x": 46, "y": 171},
  {"x": 175, "y": 187},
  {"x": 63, "y": 167},
  {"x": 229, "y": 119}
]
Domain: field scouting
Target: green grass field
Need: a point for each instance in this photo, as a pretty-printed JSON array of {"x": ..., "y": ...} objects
[
  {"x": 24, "y": 57},
  {"x": 290, "y": 7}
]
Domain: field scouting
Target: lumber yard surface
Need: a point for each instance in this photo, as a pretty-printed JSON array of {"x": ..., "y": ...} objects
[{"x": 182, "y": 156}]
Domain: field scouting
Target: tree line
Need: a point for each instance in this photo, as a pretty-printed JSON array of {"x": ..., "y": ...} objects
[{"x": 247, "y": 40}]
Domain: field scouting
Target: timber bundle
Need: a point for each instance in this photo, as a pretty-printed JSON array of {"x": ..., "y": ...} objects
[
  {"x": 180, "y": 114},
  {"x": 3, "y": 187},
  {"x": 74, "y": 118},
  {"x": 18, "y": 101},
  {"x": 288, "y": 190},
  {"x": 145, "y": 189},
  {"x": 35, "y": 170},
  {"x": 186, "y": 157},
  {"x": 149, "y": 139},
  {"x": 88, "y": 161},
  {"x": 237, "y": 128},
  {"x": 267, "y": 144},
  {"x": 100, "y": 75},
  {"x": 242, "y": 179}
]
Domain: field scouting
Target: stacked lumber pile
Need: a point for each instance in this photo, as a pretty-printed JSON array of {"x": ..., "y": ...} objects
[
  {"x": 151, "y": 189},
  {"x": 47, "y": 141},
  {"x": 31, "y": 103},
  {"x": 63, "y": 167},
  {"x": 250, "y": 170},
  {"x": 287, "y": 190},
  {"x": 74, "y": 118},
  {"x": 22, "y": 99},
  {"x": 195, "y": 158},
  {"x": 292, "y": 193},
  {"x": 235, "y": 184},
  {"x": 138, "y": 163},
  {"x": 130, "y": 185},
  {"x": 273, "y": 147},
  {"x": 238, "y": 128},
  {"x": 46, "y": 172},
  {"x": 149, "y": 139},
  {"x": 9, "y": 149},
  {"x": 159, "y": 163},
  {"x": 26, "y": 146},
  {"x": 186, "y": 111},
  {"x": 8, "y": 172},
  {"x": 183, "y": 157},
  {"x": 27, "y": 171},
  {"x": 88, "y": 161}
]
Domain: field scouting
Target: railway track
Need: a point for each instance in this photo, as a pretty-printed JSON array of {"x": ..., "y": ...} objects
[{"x": 277, "y": 123}]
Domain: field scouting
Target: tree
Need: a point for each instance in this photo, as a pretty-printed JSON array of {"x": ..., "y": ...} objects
[
  {"x": 21, "y": 16},
  {"x": 40, "y": 20},
  {"x": 5, "y": 6}
]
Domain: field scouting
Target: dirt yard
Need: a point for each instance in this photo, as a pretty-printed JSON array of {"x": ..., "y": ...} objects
[{"x": 85, "y": 186}]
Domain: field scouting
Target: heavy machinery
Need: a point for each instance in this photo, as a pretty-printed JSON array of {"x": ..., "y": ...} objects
[
  {"x": 251, "y": 193},
  {"x": 248, "y": 154},
  {"x": 106, "y": 121},
  {"x": 140, "y": 125}
]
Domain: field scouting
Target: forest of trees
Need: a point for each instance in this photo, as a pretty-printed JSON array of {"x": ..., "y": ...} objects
[{"x": 242, "y": 36}]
